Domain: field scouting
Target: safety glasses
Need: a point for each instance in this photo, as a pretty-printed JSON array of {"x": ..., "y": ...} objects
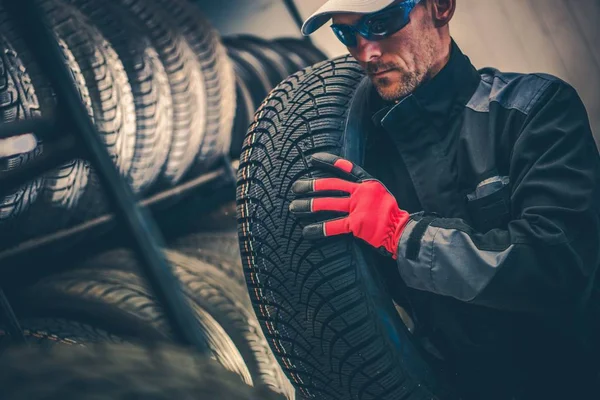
[{"x": 378, "y": 25}]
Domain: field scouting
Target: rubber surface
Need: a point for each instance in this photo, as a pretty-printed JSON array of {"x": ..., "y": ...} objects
[
  {"x": 217, "y": 73},
  {"x": 105, "y": 78},
  {"x": 48, "y": 332},
  {"x": 323, "y": 316},
  {"x": 185, "y": 81},
  {"x": 110, "y": 93},
  {"x": 309, "y": 52},
  {"x": 243, "y": 117},
  {"x": 220, "y": 249},
  {"x": 149, "y": 85},
  {"x": 249, "y": 68},
  {"x": 64, "y": 186},
  {"x": 119, "y": 372},
  {"x": 274, "y": 64},
  {"x": 18, "y": 101},
  {"x": 225, "y": 299},
  {"x": 120, "y": 303}
]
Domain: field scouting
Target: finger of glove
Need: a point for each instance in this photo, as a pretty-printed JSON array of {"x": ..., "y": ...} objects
[
  {"x": 307, "y": 186},
  {"x": 333, "y": 163},
  {"x": 332, "y": 227},
  {"x": 308, "y": 206}
]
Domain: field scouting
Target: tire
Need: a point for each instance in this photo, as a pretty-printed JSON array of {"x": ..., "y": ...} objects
[
  {"x": 105, "y": 78},
  {"x": 243, "y": 117},
  {"x": 119, "y": 302},
  {"x": 149, "y": 85},
  {"x": 276, "y": 65},
  {"x": 330, "y": 322},
  {"x": 110, "y": 93},
  {"x": 48, "y": 332},
  {"x": 306, "y": 50},
  {"x": 225, "y": 299},
  {"x": 297, "y": 62},
  {"x": 249, "y": 69},
  {"x": 118, "y": 372},
  {"x": 292, "y": 61},
  {"x": 219, "y": 249},
  {"x": 16, "y": 105},
  {"x": 186, "y": 84},
  {"x": 217, "y": 73},
  {"x": 63, "y": 187}
]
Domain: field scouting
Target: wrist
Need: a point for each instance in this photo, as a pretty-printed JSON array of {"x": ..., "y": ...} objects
[{"x": 399, "y": 221}]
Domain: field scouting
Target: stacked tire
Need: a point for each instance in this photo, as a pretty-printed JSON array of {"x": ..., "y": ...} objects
[
  {"x": 260, "y": 65},
  {"x": 105, "y": 299},
  {"x": 157, "y": 83},
  {"x": 170, "y": 100}
]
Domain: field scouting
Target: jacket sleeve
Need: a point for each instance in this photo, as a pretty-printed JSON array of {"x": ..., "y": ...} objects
[{"x": 546, "y": 258}]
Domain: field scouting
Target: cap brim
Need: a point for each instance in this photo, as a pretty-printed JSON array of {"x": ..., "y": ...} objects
[{"x": 323, "y": 14}]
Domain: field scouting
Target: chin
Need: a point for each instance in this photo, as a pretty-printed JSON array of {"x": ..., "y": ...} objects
[{"x": 391, "y": 90}]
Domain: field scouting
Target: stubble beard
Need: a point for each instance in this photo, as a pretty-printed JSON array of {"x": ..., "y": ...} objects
[{"x": 395, "y": 89}]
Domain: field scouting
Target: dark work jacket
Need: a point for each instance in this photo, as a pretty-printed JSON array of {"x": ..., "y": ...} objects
[{"x": 501, "y": 175}]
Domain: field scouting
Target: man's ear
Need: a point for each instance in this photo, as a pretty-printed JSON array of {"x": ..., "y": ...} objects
[{"x": 442, "y": 11}]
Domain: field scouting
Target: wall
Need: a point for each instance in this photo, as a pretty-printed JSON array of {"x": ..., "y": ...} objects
[{"x": 560, "y": 37}]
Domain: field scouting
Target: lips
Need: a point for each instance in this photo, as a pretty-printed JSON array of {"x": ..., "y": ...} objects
[{"x": 381, "y": 73}]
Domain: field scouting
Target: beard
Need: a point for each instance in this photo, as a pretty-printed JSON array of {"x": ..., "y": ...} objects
[
  {"x": 405, "y": 80},
  {"x": 394, "y": 89}
]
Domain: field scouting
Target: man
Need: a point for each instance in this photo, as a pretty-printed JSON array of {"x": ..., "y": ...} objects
[{"x": 487, "y": 199}]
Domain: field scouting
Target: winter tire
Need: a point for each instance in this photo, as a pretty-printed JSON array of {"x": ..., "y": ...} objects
[
  {"x": 274, "y": 64},
  {"x": 249, "y": 68},
  {"x": 220, "y": 249},
  {"x": 328, "y": 317},
  {"x": 309, "y": 52},
  {"x": 243, "y": 117},
  {"x": 18, "y": 100},
  {"x": 47, "y": 332},
  {"x": 224, "y": 299},
  {"x": 119, "y": 372},
  {"x": 119, "y": 302},
  {"x": 63, "y": 187},
  {"x": 217, "y": 73},
  {"x": 149, "y": 85},
  {"x": 185, "y": 81}
]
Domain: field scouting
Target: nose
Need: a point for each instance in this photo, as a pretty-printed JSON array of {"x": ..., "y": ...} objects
[{"x": 366, "y": 51}]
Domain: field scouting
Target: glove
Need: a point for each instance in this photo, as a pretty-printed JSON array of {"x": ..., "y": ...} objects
[{"x": 372, "y": 212}]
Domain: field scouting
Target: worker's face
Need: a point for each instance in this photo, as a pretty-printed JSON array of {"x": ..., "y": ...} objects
[{"x": 400, "y": 62}]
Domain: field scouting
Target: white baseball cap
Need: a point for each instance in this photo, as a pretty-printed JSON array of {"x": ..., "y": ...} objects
[{"x": 324, "y": 13}]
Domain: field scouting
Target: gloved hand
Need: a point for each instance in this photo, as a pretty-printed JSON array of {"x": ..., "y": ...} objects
[{"x": 373, "y": 214}]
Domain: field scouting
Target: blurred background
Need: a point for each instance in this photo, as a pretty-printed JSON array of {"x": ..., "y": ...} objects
[{"x": 559, "y": 37}]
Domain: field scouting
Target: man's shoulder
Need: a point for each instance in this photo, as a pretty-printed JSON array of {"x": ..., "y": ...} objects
[{"x": 513, "y": 90}]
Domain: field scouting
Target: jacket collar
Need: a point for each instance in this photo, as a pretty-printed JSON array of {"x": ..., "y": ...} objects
[{"x": 437, "y": 99}]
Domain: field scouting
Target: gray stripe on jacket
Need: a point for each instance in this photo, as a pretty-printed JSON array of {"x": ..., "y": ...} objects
[{"x": 449, "y": 263}]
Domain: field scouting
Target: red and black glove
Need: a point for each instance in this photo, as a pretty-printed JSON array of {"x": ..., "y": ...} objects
[{"x": 372, "y": 212}]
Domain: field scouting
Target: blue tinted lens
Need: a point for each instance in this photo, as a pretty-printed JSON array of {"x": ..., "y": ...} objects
[
  {"x": 345, "y": 34},
  {"x": 384, "y": 24},
  {"x": 376, "y": 26}
]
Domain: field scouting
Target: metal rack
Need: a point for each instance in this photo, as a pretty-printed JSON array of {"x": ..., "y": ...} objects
[
  {"x": 146, "y": 239},
  {"x": 142, "y": 228}
]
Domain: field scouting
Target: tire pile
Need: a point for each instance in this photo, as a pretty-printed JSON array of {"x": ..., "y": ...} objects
[
  {"x": 169, "y": 97},
  {"x": 171, "y": 100}
]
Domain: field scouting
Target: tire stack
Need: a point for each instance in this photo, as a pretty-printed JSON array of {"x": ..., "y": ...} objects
[
  {"x": 170, "y": 99},
  {"x": 259, "y": 66},
  {"x": 157, "y": 83}
]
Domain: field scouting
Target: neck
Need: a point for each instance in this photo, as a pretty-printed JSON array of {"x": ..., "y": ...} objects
[{"x": 442, "y": 60}]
